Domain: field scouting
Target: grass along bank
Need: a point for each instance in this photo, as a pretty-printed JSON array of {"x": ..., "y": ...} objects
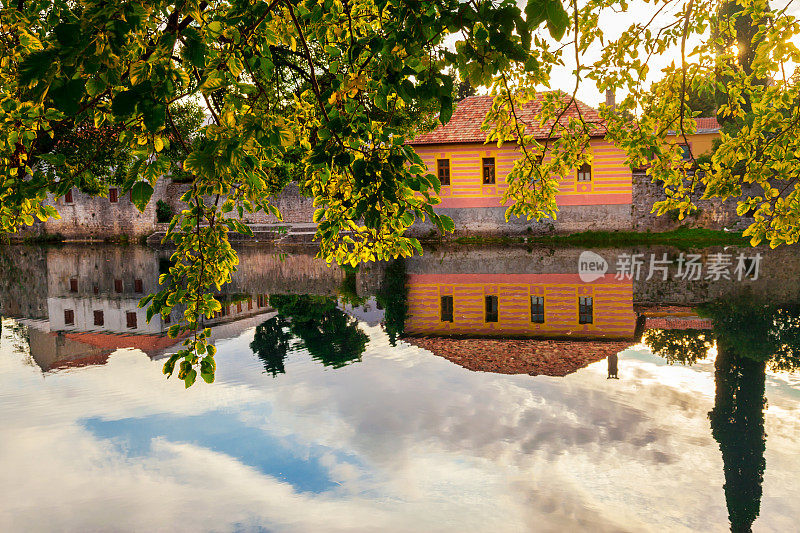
[{"x": 679, "y": 238}]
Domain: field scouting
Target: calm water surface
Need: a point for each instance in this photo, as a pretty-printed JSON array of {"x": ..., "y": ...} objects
[{"x": 322, "y": 419}]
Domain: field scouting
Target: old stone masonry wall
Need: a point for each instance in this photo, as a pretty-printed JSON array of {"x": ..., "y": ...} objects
[
  {"x": 88, "y": 218},
  {"x": 711, "y": 214},
  {"x": 294, "y": 207}
]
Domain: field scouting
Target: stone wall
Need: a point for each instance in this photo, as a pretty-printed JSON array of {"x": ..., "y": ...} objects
[
  {"x": 569, "y": 219},
  {"x": 711, "y": 214},
  {"x": 90, "y": 218},
  {"x": 294, "y": 207},
  {"x": 23, "y": 281}
]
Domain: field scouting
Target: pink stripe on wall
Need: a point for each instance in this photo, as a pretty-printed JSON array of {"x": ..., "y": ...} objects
[
  {"x": 526, "y": 279},
  {"x": 575, "y": 199}
]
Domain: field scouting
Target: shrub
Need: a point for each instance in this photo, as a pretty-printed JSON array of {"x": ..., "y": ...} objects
[{"x": 163, "y": 211}]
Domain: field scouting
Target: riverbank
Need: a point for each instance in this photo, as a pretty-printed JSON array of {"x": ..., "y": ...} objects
[
  {"x": 286, "y": 234},
  {"x": 680, "y": 238}
]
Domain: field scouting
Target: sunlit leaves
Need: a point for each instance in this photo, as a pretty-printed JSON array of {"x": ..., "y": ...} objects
[{"x": 323, "y": 93}]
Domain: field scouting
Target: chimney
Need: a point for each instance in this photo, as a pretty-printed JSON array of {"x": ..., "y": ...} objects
[{"x": 610, "y": 99}]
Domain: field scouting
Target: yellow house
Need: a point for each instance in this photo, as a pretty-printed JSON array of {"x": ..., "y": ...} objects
[{"x": 597, "y": 196}]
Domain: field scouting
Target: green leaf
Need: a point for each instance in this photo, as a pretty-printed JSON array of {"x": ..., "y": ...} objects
[
  {"x": 54, "y": 159},
  {"x": 154, "y": 116},
  {"x": 190, "y": 378},
  {"x": 140, "y": 194},
  {"x": 557, "y": 19},
  {"x": 445, "y": 109},
  {"x": 67, "y": 97},
  {"x": 139, "y": 71},
  {"x": 447, "y": 224},
  {"x": 68, "y": 34},
  {"x": 34, "y": 67},
  {"x": 124, "y": 103},
  {"x": 95, "y": 86}
]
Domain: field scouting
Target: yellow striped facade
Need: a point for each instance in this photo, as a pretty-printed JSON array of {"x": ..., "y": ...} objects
[
  {"x": 613, "y": 315},
  {"x": 610, "y": 184}
]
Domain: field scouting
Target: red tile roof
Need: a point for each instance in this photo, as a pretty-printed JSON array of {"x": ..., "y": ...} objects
[
  {"x": 465, "y": 124},
  {"x": 520, "y": 356},
  {"x": 704, "y": 125},
  {"x": 707, "y": 125}
]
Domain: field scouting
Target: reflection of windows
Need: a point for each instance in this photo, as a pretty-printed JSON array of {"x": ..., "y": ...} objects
[
  {"x": 95, "y": 289},
  {"x": 69, "y": 317},
  {"x": 585, "y": 310},
  {"x": 117, "y": 285},
  {"x": 443, "y": 171},
  {"x": 99, "y": 319},
  {"x": 68, "y": 197},
  {"x": 249, "y": 304},
  {"x": 261, "y": 301},
  {"x": 446, "y": 308},
  {"x": 131, "y": 320},
  {"x": 113, "y": 195},
  {"x": 73, "y": 285},
  {"x": 491, "y": 308},
  {"x": 585, "y": 172},
  {"x": 488, "y": 170},
  {"x": 537, "y": 309},
  {"x": 239, "y": 307},
  {"x": 137, "y": 285}
]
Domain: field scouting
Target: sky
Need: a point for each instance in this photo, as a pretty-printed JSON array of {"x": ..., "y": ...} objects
[{"x": 613, "y": 24}]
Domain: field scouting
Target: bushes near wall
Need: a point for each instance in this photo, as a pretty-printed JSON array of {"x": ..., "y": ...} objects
[{"x": 163, "y": 211}]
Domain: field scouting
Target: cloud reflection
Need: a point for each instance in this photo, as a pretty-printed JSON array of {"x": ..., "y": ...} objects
[{"x": 402, "y": 441}]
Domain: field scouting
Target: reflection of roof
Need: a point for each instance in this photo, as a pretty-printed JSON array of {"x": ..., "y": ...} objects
[
  {"x": 520, "y": 356},
  {"x": 78, "y": 362},
  {"x": 465, "y": 124},
  {"x": 152, "y": 345}
]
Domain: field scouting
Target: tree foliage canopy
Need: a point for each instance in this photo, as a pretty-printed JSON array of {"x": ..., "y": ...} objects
[{"x": 331, "y": 90}]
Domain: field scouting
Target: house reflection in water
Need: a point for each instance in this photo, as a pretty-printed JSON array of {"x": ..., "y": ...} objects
[
  {"x": 550, "y": 324},
  {"x": 92, "y": 309}
]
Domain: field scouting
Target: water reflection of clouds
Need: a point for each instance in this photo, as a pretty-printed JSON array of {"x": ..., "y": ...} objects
[{"x": 410, "y": 441}]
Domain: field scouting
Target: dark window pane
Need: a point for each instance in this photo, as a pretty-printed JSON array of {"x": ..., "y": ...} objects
[
  {"x": 491, "y": 308},
  {"x": 117, "y": 285},
  {"x": 585, "y": 310},
  {"x": 73, "y": 285},
  {"x": 443, "y": 170},
  {"x": 131, "y": 320},
  {"x": 446, "y": 308},
  {"x": 137, "y": 285},
  {"x": 239, "y": 307},
  {"x": 68, "y": 197},
  {"x": 488, "y": 170},
  {"x": 69, "y": 317},
  {"x": 585, "y": 172},
  {"x": 537, "y": 309},
  {"x": 113, "y": 195},
  {"x": 99, "y": 319}
]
